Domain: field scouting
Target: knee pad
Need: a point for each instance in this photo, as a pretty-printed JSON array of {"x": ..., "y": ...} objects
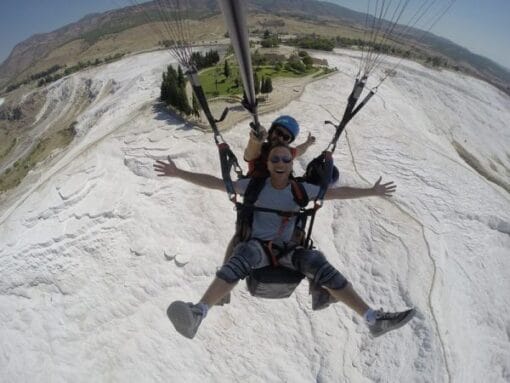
[
  {"x": 315, "y": 266},
  {"x": 246, "y": 256}
]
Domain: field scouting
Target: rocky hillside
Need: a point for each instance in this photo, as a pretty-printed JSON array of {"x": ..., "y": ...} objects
[
  {"x": 98, "y": 37},
  {"x": 83, "y": 39}
]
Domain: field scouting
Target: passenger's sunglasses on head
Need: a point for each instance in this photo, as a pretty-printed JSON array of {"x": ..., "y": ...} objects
[
  {"x": 275, "y": 159},
  {"x": 282, "y": 134}
]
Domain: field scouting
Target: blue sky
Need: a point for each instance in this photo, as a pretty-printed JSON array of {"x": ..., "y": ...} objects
[{"x": 480, "y": 26}]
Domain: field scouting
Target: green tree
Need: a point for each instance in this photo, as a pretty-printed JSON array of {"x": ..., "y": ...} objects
[
  {"x": 164, "y": 88},
  {"x": 269, "y": 85},
  {"x": 258, "y": 59},
  {"x": 295, "y": 64},
  {"x": 308, "y": 61},
  {"x": 181, "y": 101},
  {"x": 173, "y": 90},
  {"x": 263, "y": 86},
  {"x": 169, "y": 82},
  {"x": 270, "y": 42},
  {"x": 256, "y": 82},
  {"x": 436, "y": 61},
  {"x": 181, "y": 82},
  {"x": 226, "y": 69},
  {"x": 194, "y": 106}
]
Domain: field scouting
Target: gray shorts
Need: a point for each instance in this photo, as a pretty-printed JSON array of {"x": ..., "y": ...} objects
[{"x": 251, "y": 255}]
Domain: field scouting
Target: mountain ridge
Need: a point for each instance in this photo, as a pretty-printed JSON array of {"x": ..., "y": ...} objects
[{"x": 83, "y": 39}]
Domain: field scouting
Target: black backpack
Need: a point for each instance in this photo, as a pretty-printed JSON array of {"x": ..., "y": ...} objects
[{"x": 316, "y": 171}]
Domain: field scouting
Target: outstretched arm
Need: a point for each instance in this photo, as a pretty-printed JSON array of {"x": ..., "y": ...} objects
[
  {"x": 383, "y": 190},
  {"x": 301, "y": 149},
  {"x": 254, "y": 146},
  {"x": 169, "y": 169}
]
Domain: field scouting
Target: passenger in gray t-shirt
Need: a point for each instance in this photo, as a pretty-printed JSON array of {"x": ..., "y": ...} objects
[
  {"x": 270, "y": 226},
  {"x": 249, "y": 255}
]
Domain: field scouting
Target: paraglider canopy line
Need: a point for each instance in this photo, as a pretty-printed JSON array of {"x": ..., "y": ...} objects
[{"x": 388, "y": 22}]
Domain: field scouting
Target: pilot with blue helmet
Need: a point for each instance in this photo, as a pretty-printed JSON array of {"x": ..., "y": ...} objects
[{"x": 283, "y": 130}]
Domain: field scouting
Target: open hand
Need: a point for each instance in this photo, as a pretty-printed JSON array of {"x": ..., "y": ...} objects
[
  {"x": 387, "y": 189},
  {"x": 165, "y": 169}
]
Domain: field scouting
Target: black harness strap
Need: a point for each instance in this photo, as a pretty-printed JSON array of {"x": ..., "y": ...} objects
[
  {"x": 228, "y": 160},
  {"x": 202, "y": 100},
  {"x": 326, "y": 158},
  {"x": 281, "y": 213},
  {"x": 351, "y": 109},
  {"x": 275, "y": 252},
  {"x": 246, "y": 209}
]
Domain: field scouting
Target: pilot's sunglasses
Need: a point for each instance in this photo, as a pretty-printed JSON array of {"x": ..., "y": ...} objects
[
  {"x": 283, "y": 135},
  {"x": 275, "y": 159}
]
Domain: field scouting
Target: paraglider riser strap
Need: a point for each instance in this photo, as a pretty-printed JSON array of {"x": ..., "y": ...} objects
[{"x": 275, "y": 252}]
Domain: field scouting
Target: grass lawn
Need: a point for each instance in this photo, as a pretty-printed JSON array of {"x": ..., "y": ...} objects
[
  {"x": 269, "y": 71},
  {"x": 216, "y": 84}
]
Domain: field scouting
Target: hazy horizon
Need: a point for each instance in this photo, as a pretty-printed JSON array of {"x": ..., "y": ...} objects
[{"x": 480, "y": 29}]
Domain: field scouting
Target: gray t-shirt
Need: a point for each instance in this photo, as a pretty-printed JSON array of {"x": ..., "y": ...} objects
[{"x": 270, "y": 226}]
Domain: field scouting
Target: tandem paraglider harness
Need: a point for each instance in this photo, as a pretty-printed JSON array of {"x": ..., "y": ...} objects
[
  {"x": 320, "y": 171},
  {"x": 273, "y": 281},
  {"x": 277, "y": 281}
]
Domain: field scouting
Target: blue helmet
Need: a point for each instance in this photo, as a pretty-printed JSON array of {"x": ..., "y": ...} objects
[{"x": 289, "y": 124}]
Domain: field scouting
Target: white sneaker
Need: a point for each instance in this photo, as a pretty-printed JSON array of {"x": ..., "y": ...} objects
[
  {"x": 186, "y": 317},
  {"x": 385, "y": 322}
]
